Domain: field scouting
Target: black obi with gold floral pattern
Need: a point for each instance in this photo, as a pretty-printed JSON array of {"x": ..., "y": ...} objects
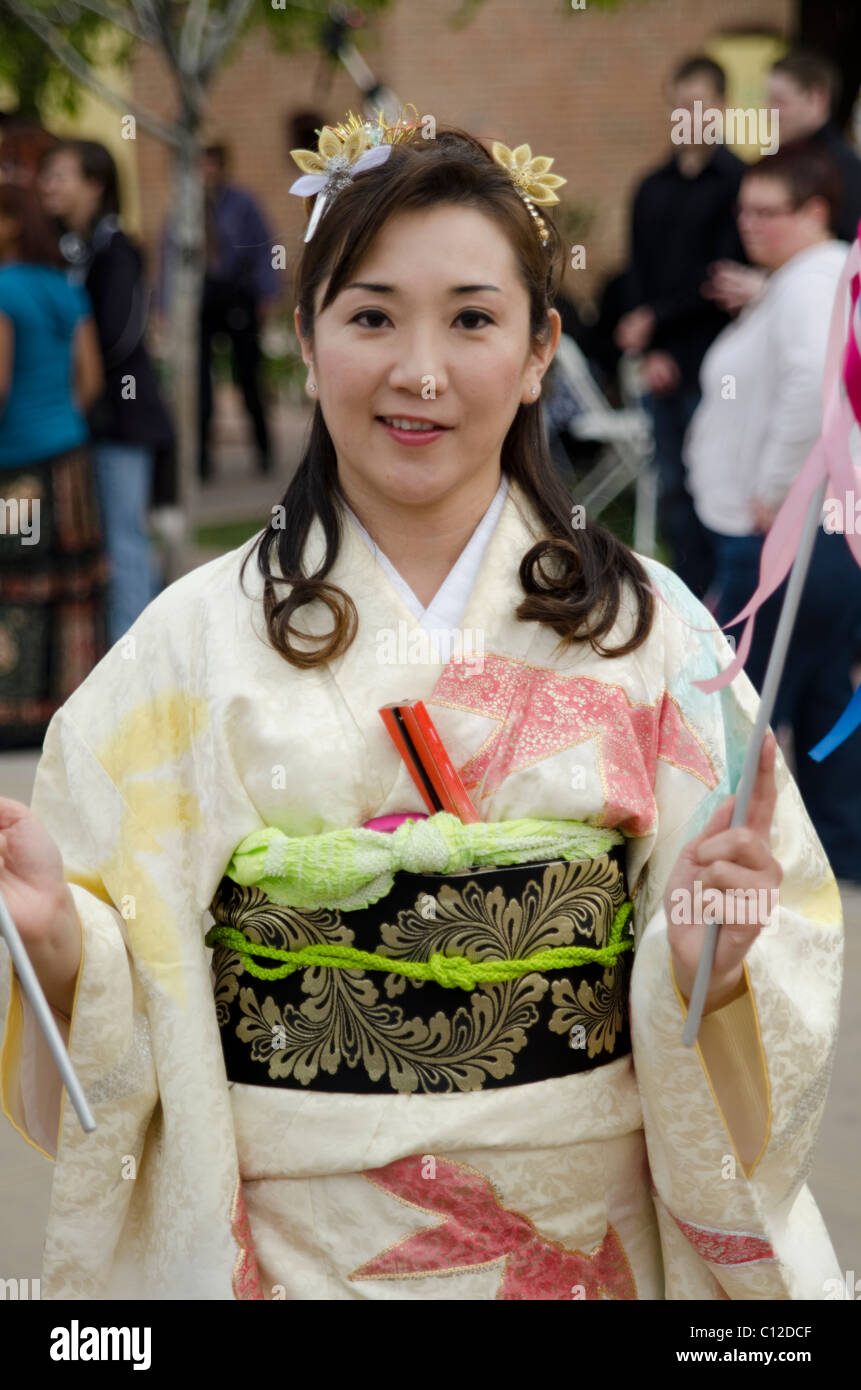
[{"x": 363, "y": 1031}]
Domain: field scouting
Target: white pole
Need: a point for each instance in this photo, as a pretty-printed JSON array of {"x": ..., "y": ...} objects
[
  {"x": 774, "y": 671},
  {"x": 41, "y": 1008}
]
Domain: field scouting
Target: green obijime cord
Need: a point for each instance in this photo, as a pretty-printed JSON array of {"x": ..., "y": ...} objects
[{"x": 453, "y": 972}]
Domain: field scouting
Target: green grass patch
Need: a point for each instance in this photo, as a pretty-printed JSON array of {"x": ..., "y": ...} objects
[
  {"x": 227, "y": 535},
  {"x": 618, "y": 517}
]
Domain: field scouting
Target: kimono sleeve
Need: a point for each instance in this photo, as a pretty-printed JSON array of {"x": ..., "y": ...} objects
[
  {"x": 731, "y": 1124},
  {"x": 108, "y": 1033}
]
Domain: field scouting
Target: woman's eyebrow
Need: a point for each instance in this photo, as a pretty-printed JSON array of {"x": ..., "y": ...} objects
[{"x": 392, "y": 289}]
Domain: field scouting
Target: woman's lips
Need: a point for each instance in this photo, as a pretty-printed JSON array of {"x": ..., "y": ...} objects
[{"x": 412, "y": 436}]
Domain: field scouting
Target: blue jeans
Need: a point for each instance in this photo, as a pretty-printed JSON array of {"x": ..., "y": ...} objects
[
  {"x": 680, "y": 527},
  {"x": 816, "y": 686},
  {"x": 124, "y": 484}
]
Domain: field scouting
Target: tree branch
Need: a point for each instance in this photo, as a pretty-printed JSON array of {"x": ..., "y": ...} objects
[
  {"x": 191, "y": 37},
  {"x": 80, "y": 68},
  {"x": 123, "y": 19},
  {"x": 145, "y": 19},
  {"x": 153, "y": 13},
  {"x": 221, "y": 35},
  {"x": 157, "y": 14}
]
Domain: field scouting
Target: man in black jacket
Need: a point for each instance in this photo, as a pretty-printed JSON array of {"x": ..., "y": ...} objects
[
  {"x": 803, "y": 89},
  {"x": 683, "y": 219}
]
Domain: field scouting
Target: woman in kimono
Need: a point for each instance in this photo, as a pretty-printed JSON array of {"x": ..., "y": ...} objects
[{"x": 407, "y": 1071}]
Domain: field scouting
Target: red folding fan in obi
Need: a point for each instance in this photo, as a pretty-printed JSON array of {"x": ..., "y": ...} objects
[{"x": 415, "y": 736}]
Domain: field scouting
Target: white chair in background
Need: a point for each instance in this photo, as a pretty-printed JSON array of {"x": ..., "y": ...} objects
[{"x": 626, "y": 436}]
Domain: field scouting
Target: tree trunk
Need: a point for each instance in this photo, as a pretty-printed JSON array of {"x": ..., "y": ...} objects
[{"x": 185, "y": 291}]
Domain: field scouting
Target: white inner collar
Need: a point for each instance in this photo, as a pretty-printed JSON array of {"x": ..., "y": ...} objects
[{"x": 447, "y": 606}]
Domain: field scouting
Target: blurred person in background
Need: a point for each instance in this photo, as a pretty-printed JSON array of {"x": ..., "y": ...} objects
[
  {"x": 682, "y": 221},
  {"x": 803, "y": 89},
  {"x": 23, "y": 147},
  {"x": 52, "y": 570},
  {"x": 129, "y": 422},
  {"x": 760, "y": 416},
  {"x": 240, "y": 287}
]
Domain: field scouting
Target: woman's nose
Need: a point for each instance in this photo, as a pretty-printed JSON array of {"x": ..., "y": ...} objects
[{"x": 419, "y": 365}]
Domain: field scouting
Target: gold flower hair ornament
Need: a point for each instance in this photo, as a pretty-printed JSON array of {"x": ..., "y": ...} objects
[
  {"x": 343, "y": 151},
  {"x": 354, "y": 145},
  {"x": 531, "y": 177}
]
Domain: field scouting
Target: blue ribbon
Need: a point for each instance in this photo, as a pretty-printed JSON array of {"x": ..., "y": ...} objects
[{"x": 846, "y": 725}]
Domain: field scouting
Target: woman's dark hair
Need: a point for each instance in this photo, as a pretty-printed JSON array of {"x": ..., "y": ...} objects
[
  {"x": 24, "y": 146},
  {"x": 574, "y": 586},
  {"x": 96, "y": 164},
  {"x": 37, "y": 244},
  {"x": 807, "y": 171}
]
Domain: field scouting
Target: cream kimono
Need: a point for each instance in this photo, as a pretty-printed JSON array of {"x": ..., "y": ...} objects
[{"x": 673, "y": 1173}]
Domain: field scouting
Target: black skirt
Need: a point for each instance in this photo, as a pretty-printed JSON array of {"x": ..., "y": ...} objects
[{"x": 53, "y": 574}]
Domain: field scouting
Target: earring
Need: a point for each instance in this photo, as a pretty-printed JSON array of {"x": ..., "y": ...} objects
[
  {"x": 311, "y": 386},
  {"x": 533, "y": 390}
]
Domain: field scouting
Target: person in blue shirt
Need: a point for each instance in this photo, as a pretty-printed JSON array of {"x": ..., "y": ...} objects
[{"x": 52, "y": 569}]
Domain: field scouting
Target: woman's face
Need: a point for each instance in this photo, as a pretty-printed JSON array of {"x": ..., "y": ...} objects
[
  {"x": 433, "y": 324},
  {"x": 771, "y": 229},
  {"x": 66, "y": 193}
]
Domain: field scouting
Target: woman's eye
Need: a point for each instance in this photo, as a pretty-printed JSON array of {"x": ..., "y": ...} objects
[
  {"x": 369, "y": 313},
  {"x": 378, "y": 314},
  {"x": 476, "y": 314}
]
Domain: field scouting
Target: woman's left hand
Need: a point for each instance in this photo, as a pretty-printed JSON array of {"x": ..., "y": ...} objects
[{"x": 732, "y": 860}]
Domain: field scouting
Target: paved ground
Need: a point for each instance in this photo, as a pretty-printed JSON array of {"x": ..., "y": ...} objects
[
  {"x": 25, "y": 1176},
  {"x": 237, "y": 490}
]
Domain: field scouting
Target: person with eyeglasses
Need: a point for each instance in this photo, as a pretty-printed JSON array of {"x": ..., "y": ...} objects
[{"x": 760, "y": 415}]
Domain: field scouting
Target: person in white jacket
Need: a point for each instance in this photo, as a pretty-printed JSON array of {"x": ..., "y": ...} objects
[{"x": 760, "y": 415}]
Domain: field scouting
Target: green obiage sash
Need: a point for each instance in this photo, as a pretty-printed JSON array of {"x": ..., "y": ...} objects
[{"x": 353, "y": 868}]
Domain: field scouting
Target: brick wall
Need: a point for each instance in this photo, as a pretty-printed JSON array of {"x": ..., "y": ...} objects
[{"x": 583, "y": 86}]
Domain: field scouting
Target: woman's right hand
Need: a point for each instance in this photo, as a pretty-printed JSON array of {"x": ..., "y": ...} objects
[{"x": 37, "y": 895}]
